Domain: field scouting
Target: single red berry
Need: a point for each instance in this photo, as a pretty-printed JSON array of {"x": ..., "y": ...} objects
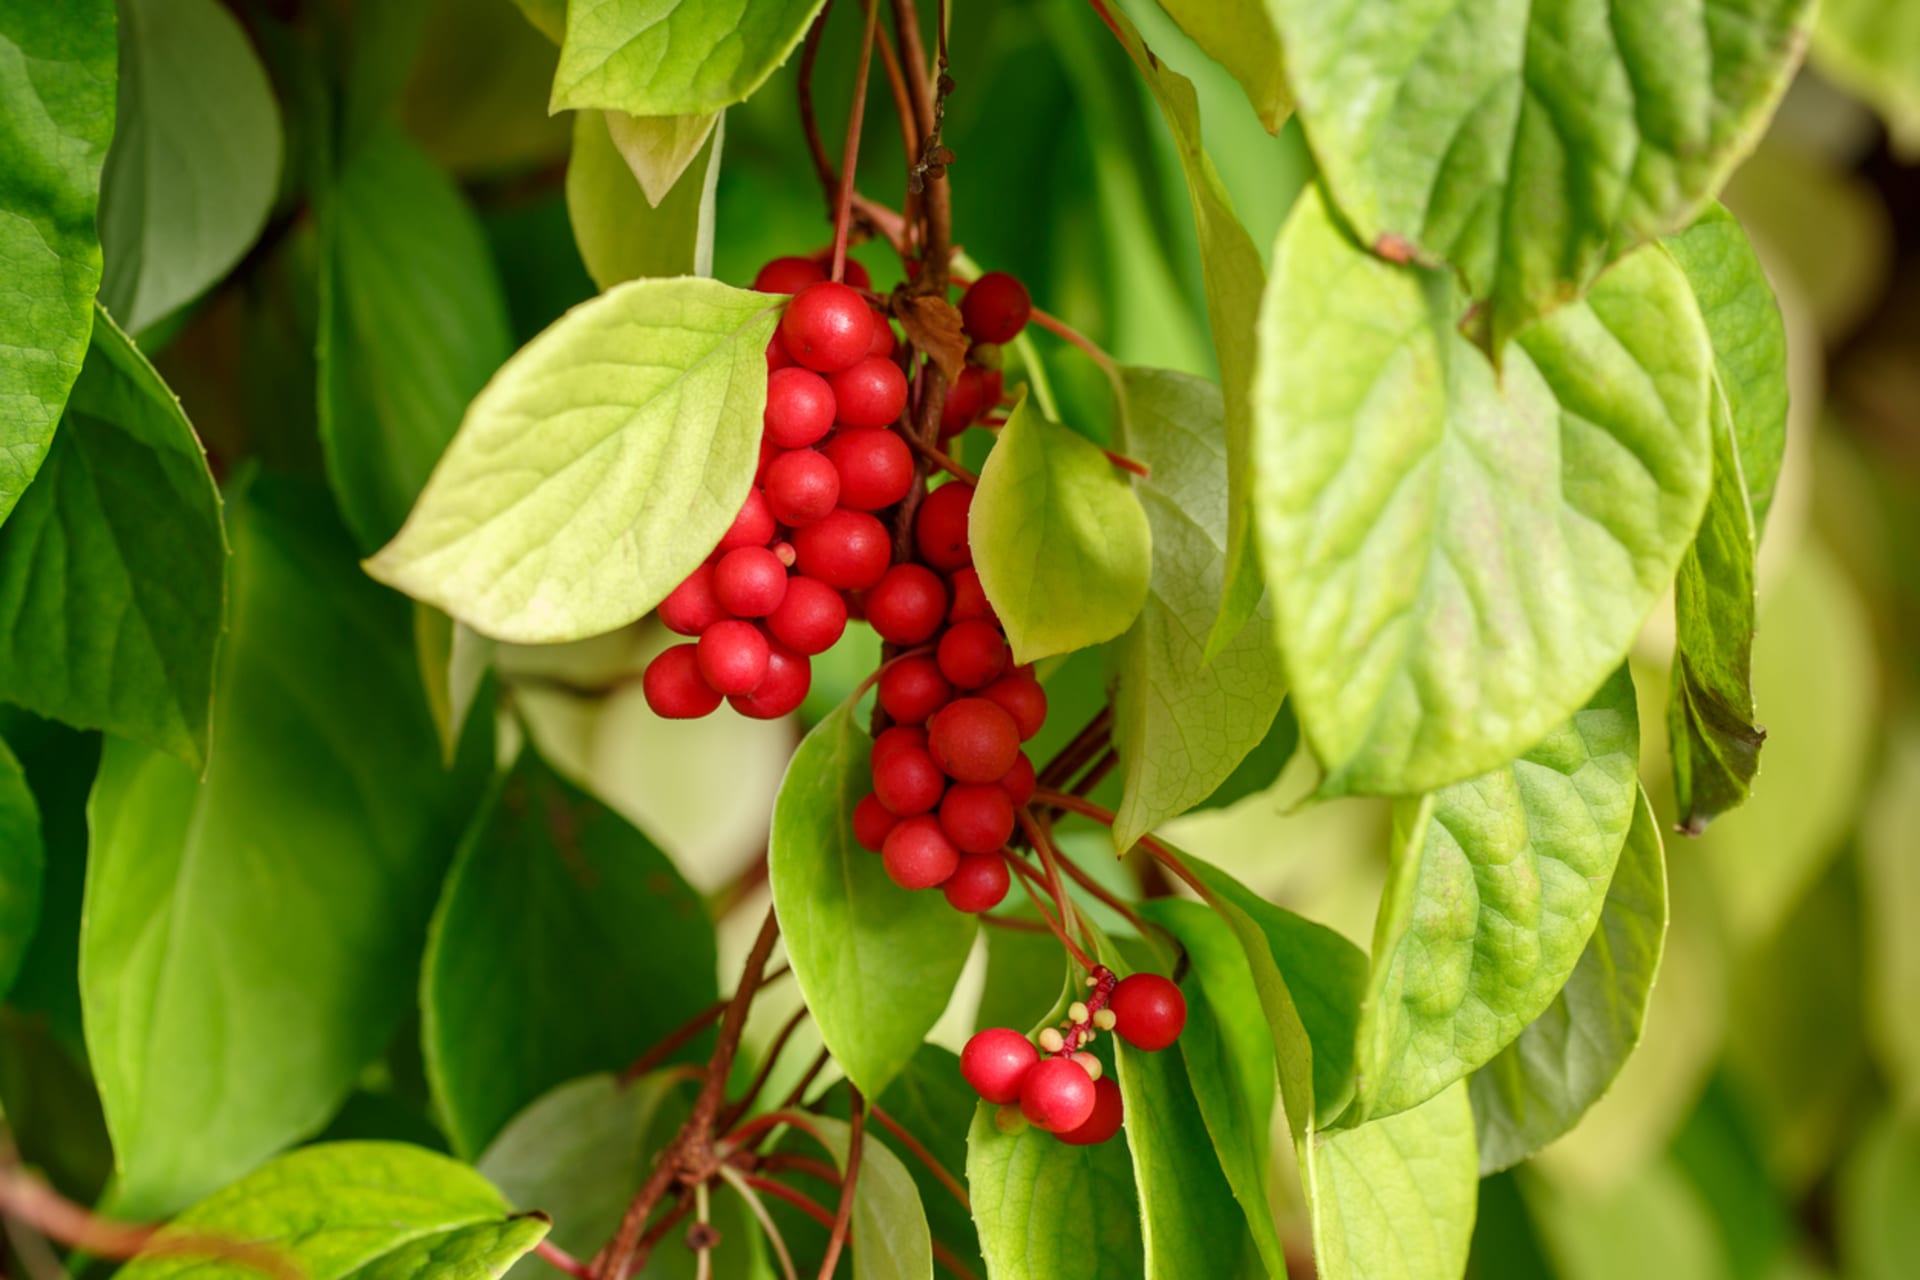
[
  {"x": 883, "y": 338},
  {"x": 800, "y": 408},
  {"x": 1018, "y": 782},
  {"x": 995, "y": 1062},
  {"x": 969, "y": 598},
  {"x": 871, "y": 822},
  {"x": 801, "y": 487},
  {"x": 750, "y": 582},
  {"x": 827, "y": 327},
  {"x": 977, "y": 818},
  {"x": 972, "y": 740},
  {"x": 966, "y": 401},
  {"x": 972, "y": 654},
  {"x": 1105, "y": 1120},
  {"x": 768, "y": 452},
  {"x": 855, "y": 274},
  {"x": 789, "y": 275},
  {"x": 674, "y": 686},
  {"x": 876, "y": 468},
  {"x": 1057, "y": 1095},
  {"x": 979, "y": 883},
  {"x": 752, "y": 527},
  {"x": 918, "y": 854},
  {"x": 995, "y": 308},
  {"x": 733, "y": 656},
  {"x": 789, "y": 676},
  {"x": 691, "y": 607},
  {"x": 870, "y": 393},
  {"x": 847, "y": 550},
  {"x": 1022, "y": 698},
  {"x": 777, "y": 357},
  {"x": 1148, "y": 1010},
  {"x": 900, "y": 735},
  {"x": 908, "y": 781},
  {"x": 906, "y": 605},
  {"x": 940, "y": 528},
  {"x": 810, "y": 618},
  {"x": 912, "y": 689},
  {"x": 993, "y": 386}
]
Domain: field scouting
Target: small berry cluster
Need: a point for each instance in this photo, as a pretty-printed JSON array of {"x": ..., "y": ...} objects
[
  {"x": 1067, "y": 1092},
  {"x": 775, "y": 591},
  {"x": 993, "y": 311}
]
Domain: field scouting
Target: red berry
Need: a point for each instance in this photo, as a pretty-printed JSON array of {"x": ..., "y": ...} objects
[
  {"x": 979, "y": 883},
  {"x": 900, "y": 735},
  {"x": 789, "y": 676},
  {"x": 908, "y": 781},
  {"x": 906, "y": 605},
  {"x": 969, "y": 598},
  {"x": 1019, "y": 780},
  {"x": 876, "y": 468},
  {"x": 1106, "y": 1117},
  {"x": 789, "y": 275},
  {"x": 691, "y": 607},
  {"x": 1057, "y": 1095},
  {"x": 827, "y": 327},
  {"x": 801, "y": 487},
  {"x": 912, "y": 689},
  {"x": 872, "y": 393},
  {"x": 750, "y": 582},
  {"x": 847, "y": 550},
  {"x": 811, "y": 617},
  {"x": 800, "y": 408},
  {"x": 966, "y": 400},
  {"x": 1022, "y": 698},
  {"x": 995, "y": 308},
  {"x": 940, "y": 528},
  {"x": 674, "y": 686},
  {"x": 753, "y": 527},
  {"x": 971, "y": 739},
  {"x": 1149, "y": 1011},
  {"x": 993, "y": 386},
  {"x": 733, "y": 656},
  {"x": 977, "y": 818},
  {"x": 871, "y": 822},
  {"x": 996, "y": 1061},
  {"x": 854, "y": 273},
  {"x": 918, "y": 854},
  {"x": 777, "y": 357},
  {"x": 972, "y": 654},
  {"x": 883, "y": 339}
]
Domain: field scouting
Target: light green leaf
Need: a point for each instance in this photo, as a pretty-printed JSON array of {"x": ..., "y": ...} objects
[
  {"x": 1531, "y": 143},
  {"x": 22, "y": 865},
  {"x": 1656, "y": 1223},
  {"x": 112, "y": 569},
  {"x": 1183, "y": 723},
  {"x": 1890, "y": 897},
  {"x": 598, "y": 468},
  {"x": 890, "y": 1236},
  {"x": 690, "y": 56},
  {"x": 56, "y": 114},
  {"x": 620, "y": 234},
  {"x": 1457, "y": 559},
  {"x": 225, "y": 1021},
  {"x": 374, "y": 1210},
  {"x": 1490, "y": 901},
  {"x": 658, "y": 149},
  {"x": 1539, "y": 1087},
  {"x": 1049, "y": 1211},
  {"x": 195, "y": 159},
  {"x": 1061, "y": 542},
  {"x": 413, "y": 321},
  {"x": 565, "y": 922},
  {"x": 1872, "y": 47},
  {"x": 548, "y": 16},
  {"x": 1879, "y": 1234},
  {"x": 1239, "y": 35},
  {"x": 875, "y": 962},
  {"x": 1394, "y": 1199}
]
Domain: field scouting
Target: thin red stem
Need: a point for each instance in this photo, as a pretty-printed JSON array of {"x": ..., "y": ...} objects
[
  {"x": 33, "y": 1203},
  {"x": 940, "y": 458},
  {"x": 1028, "y": 877},
  {"x": 850, "y": 161},
  {"x": 1011, "y": 923},
  {"x": 782, "y": 1191},
  {"x": 554, "y": 1254},
  {"x": 843, "y": 1218},
  {"x": 745, "y": 1102},
  {"x": 925, "y": 1157}
]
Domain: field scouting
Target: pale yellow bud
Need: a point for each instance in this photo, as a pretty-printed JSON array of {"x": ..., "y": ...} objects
[
  {"x": 1104, "y": 1019},
  {"x": 1052, "y": 1041},
  {"x": 1076, "y": 1013},
  {"x": 1090, "y": 1063}
]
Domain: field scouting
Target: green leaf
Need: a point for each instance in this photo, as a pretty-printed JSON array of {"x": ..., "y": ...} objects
[
  {"x": 658, "y": 149},
  {"x": 1539, "y": 1087},
  {"x": 875, "y": 962},
  {"x": 225, "y": 1020},
  {"x": 195, "y": 160},
  {"x": 926, "y": 1100},
  {"x": 60, "y": 763},
  {"x": 1394, "y": 1199},
  {"x": 1872, "y": 47},
  {"x": 1890, "y": 881},
  {"x": 53, "y": 1112},
  {"x": 1458, "y": 559},
  {"x": 1490, "y": 904},
  {"x": 376, "y": 1210},
  {"x": 1061, "y": 542},
  {"x": 412, "y": 324},
  {"x": 692, "y": 56},
  {"x": 112, "y": 569},
  {"x": 56, "y": 114},
  {"x": 1049, "y": 1211},
  {"x": 598, "y": 468},
  {"x": 1183, "y": 723},
  {"x": 1530, "y": 145},
  {"x": 621, "y": 235},
  {"x": 22, "y": 866},
  {"x": 1879, "y": 1235},
  {"x": 1655, "y": 1223},
  {"x": 548, "y": 16},
  {"x": 1239, "y": 35},
  {"x": 890, "y": 1236}
]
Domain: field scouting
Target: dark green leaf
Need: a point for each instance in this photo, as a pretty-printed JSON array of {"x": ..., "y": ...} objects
[
  {"x": 927, "y": 1100},
  {"x": 22, "y": 867},
  {"x": 1049, "y": 1211},
  {"x": 621, "y": 233},
  {"x": 52, "y": 1111},
  {"x": 649, "y": 59},
  {"x": 60, "y": 763}
]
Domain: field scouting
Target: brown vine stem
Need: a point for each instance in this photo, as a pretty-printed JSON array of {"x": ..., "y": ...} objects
[
  {"x": 559, "y": 1258},
  {"x": 1037, "y": 892},
  {"x": 850, "y": 156},
  {"x": 738, "y": 1181},
  {"x": 1099, "y": 891},
  {"x": 686, "y": 1031},
  {"x": 1085, "y": 745},
  {"x": 874, "y": 215},
  {"x": 744, "y": 1103},
  {"x": 843, "y": 1218}
]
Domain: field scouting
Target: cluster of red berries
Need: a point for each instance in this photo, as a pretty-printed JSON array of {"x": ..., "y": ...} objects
[
  {"x": 776, "y": 589},
  {"x": 1067, "y": 1092},
  {"x": 993, "y": 311}
]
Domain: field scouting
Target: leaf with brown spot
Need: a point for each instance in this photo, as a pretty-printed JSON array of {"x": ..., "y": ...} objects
[{"x": 933, "y": 325}]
